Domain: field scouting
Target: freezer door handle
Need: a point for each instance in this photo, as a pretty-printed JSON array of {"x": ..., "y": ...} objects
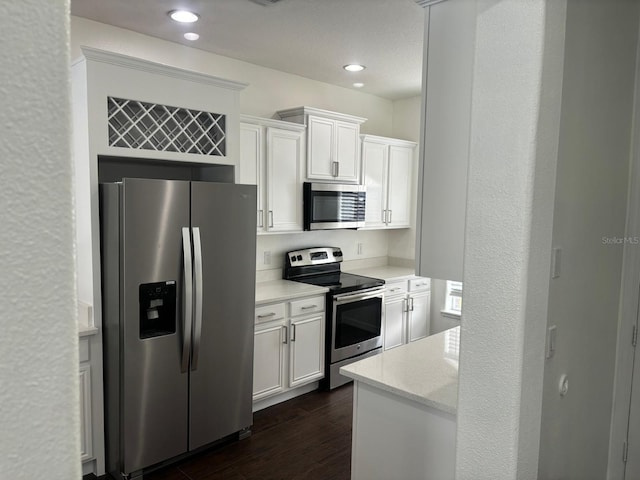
[
  {"x": 197, "y": 276},
  {"x": 187, "y": 297}
]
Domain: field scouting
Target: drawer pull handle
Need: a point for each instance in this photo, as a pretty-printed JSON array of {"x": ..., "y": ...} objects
[
  {"x": 395, "y": 289},
  {"x": 308, "y": 307},
  {"x": 286, "y": 335},
  {"x": 267, "y": 315}
]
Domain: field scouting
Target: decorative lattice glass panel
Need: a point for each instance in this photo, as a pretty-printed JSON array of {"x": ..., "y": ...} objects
[{"x": 148, "y": 126}]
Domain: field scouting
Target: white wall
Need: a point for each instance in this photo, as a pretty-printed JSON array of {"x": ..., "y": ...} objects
[
  {"x": 449, "y": 43},
  {"x": 39, "y": 413},
  {"x": 591, "y": 195},
  {"x": 515, "y": 116}
]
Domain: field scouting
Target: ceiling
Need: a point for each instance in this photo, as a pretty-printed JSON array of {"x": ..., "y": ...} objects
[{"x": 310, "y": 38}]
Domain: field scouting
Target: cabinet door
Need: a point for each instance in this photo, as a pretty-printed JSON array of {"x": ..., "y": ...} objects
[
  {"x": 394, "y": 322},
  {"x": 400, "y": 186},
  {"x": 420, "y": 315},
  {"x": 86, "y": 443},
  {"x": 320, "y": 135},
  {"x": 250, "y": 170},
  {"x": 284, "y": 187},
  {"x": 347, "y": 137},
  {"x": 306, "y": 357},
  {"x": 268, "y": 360},
  {"x": 374, "y": 176}
]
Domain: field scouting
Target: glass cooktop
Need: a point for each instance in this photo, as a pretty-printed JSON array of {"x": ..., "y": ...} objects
[{"x": 340, "y": 282}]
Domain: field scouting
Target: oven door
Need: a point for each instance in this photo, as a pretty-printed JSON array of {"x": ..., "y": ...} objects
[{"x": 356, "y": 323}]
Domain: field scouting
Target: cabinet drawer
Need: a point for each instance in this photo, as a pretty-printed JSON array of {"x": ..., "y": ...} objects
[
  {"x": 396, "y": 288},
  {"x": 267, "y": 313},
  {"x": 420, "y": 283},
  {"x": 307, "y": 305}
]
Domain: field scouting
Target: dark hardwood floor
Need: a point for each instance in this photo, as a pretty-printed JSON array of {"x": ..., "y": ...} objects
[{"x": 308, "y": 437}]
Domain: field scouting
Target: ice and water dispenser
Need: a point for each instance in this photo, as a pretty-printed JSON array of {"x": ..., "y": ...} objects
[{"x": 157, "y": 309}]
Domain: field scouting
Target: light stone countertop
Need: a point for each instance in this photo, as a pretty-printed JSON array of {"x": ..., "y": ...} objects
[
  {"x": 425, "y": 371},
  {"x": 387, "y": 273},
  {"x": 279, "y": 290}
]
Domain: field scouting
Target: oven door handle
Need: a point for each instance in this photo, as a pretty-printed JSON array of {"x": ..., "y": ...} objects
[{"x": 348, "y": 298}]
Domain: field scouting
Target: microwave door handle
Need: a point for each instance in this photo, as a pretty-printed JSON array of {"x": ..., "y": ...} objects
[
  {"x": 187, "y": 298},
  {"x": 197, "y": 275}
]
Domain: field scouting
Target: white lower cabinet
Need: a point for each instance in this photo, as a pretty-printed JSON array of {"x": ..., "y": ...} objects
[
  {"x": 306, "y": 350},
  {"x": 268, "y": 360},
  {"x": 407, "y": 315},
  {"x": 288, "y": 346}
]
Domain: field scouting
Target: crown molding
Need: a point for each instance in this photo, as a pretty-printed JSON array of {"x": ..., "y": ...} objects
[{"x": 134, "y": 63}]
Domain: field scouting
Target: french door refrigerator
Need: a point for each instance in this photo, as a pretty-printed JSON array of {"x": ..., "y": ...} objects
[{"x": 178, "y": 267}]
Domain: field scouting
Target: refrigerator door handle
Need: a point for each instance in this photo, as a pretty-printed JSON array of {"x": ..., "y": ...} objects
[
  {"x": 197, "y": 275},
  {"x": 187, "y": 299}
]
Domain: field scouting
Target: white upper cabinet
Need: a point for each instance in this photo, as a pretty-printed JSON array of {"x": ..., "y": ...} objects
[
  {"x": 271, "y": 157},
  {"x": 333, "y": 147},
  {"x": 387, "y": 171},
  {"x": 375, "y": 165}
]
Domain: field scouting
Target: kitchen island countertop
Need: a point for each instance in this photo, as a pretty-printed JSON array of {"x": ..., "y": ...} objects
[
  {"x": 425, "y": 371},
  {"x": 281, "y": 290}
]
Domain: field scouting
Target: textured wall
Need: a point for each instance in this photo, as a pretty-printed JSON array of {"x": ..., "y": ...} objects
[
  {"x": 514, "y": 123},
  {"x": 39, "y": 416},
  {"x": 591, "y": 198}
]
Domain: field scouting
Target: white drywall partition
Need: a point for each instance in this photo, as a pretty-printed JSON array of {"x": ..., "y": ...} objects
[
  {"x": 513, "y": 148},
  {"x": 39, "y": 413}
]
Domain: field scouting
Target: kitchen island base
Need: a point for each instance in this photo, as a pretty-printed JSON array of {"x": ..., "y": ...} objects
[{"x": 395, "y": 437}]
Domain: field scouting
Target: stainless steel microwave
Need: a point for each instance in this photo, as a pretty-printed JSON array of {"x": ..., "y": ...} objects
[{"x": 331, "y": 206}]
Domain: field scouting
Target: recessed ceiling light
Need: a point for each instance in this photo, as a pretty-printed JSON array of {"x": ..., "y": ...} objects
[
  {"x": 191, "y": 36},
  {"x": 358, "y": 85},
  {"x": 183, "y": 16},
  {"x": 354, "y": 67}
]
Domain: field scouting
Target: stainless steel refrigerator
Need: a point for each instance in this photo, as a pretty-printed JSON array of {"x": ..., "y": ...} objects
[{"x": 178, "y": 272}]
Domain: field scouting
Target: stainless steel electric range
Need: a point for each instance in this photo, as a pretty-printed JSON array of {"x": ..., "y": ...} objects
[{"x": 354, "y": 308}]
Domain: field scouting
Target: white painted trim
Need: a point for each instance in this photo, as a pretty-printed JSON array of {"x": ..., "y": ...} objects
[
  {"x": 421, "y": 150},
  {"x": 134, "y": 63},
  {"x": 270, "y": 122},
  {"x": 343, "y": 117},
  {"x": 387, "y": 140},
  {"x": 629, "y": 300},
  {"x": 283, "y": 397}
]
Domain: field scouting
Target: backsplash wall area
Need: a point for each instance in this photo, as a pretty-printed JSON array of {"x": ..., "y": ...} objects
[{"x": 374, "y": 248}]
